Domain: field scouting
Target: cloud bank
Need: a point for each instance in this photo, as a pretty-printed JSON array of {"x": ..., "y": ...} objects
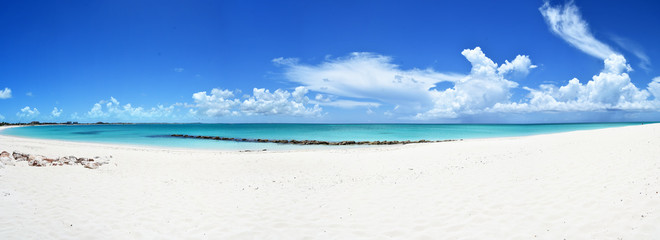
[
  {"x": 222, "y": 102},
  {"x": 113, "y": 110},
  {"x": 611, "y": 89},
  {"x": 371, "y": 79}
]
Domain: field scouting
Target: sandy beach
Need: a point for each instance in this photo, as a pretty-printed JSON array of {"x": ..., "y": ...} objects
[{"x": 595, "y": 184}]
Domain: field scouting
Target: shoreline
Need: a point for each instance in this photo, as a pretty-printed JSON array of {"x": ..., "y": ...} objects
[
  {"x": 304, "y": 147},
  {"x": 587, "y": 184}
]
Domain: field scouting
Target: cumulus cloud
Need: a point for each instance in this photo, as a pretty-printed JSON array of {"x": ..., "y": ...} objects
[
  {"x": 611, "y": 89},
  {"x": 566, "y": 22},
  {"x": 262, "y": 102},
  {"x": 113, "y": 110},
  {"x": 521, "y": 64},
  {"x": 219, "y": 103},
  {"x": 654, "y": 88},
  {"x": 6, "y": 93},
  {"x": 28, "y": 112},
  {"x": 366, "y": 77},
  {"x": 56, "y": 112},
  {"x": 484, "y": 87}
]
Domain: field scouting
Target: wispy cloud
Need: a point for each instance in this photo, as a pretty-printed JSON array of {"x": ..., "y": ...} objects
[
  {"x": 567, "y": 23},
  {"x": 366, "y": 77},
  {"x": 6, "y": 93},
  {"x": 635, "y": 49},
  {"x": 29, "y": 94},
  {"x": 178, "y": 69},
  {"x": 327, "y": 100}
]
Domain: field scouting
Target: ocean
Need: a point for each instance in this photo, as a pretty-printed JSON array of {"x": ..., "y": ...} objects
[{"x": 158, "y": 134}]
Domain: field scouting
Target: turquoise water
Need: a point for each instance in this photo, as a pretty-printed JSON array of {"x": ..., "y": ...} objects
[{"x": 156, "y": 134}]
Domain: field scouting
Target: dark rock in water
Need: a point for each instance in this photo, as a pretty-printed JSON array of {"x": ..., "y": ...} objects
[
  {"x": 309, "y": 142},
  {"x": 88, "y": 132}
]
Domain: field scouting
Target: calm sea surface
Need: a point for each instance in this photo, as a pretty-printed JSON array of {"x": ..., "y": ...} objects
[{"x": 157, "y": 134}]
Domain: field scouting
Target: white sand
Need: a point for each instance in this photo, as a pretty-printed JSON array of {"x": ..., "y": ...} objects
[{"x": 599, "y": 184}]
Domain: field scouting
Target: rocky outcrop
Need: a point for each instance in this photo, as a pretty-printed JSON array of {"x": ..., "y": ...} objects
[
  {"x": 307, "y": 142},
  {"x": 34, "y": 160}
]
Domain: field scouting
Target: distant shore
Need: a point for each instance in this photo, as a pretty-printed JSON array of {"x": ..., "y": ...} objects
[{"x": 590, "y": 184}]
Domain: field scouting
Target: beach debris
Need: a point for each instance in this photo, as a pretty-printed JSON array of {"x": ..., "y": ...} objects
[
  {"x": 23, "y": 159},
  {"x": 309, "y": 142},
  {"x": 19, "y": 156},
  {"x": 6, "y": 159}
]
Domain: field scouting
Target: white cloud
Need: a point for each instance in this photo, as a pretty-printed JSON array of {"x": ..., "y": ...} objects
[
  {"x": 654, "y": 88},
  {"x": 29, "y": 94},
  {"x": 484, "y": 87},
  {"x": 329, "y": 100},
  {"x": 219, "y": 103},
  {"x": 342, "y": 103},
  {"x": 56, "y": 112},
  {"x": 630, "y": 46},
  {"x": 369, "y": 80},
  {"x": 280, "y": 102},
  {"x": 261, "y": 102},
  {"x": 611, "y": 89},
  {"x": 6, "y": 93},
  {"x": 178, "y": 69},
  {"x": 2, "y": 117},
  {"x": 367, "y": 77},
  {"x": 113, "y": 110},
  {"x": 521, "y": 64},
  {"x": 567, "y": 23},
  {"x": 28, "y": 112}
]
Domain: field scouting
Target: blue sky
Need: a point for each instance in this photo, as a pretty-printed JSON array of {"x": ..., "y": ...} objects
[{"x": 332, "y": 61}]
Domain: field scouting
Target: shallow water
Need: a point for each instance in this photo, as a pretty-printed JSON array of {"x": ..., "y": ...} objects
[{"x": 158, "y": 134}]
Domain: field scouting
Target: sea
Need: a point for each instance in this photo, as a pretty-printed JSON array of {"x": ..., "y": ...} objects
[{"x": 158, "y": 135}]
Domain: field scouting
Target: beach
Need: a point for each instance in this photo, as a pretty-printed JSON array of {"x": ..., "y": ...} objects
[{"x": 592, "y": 184}]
